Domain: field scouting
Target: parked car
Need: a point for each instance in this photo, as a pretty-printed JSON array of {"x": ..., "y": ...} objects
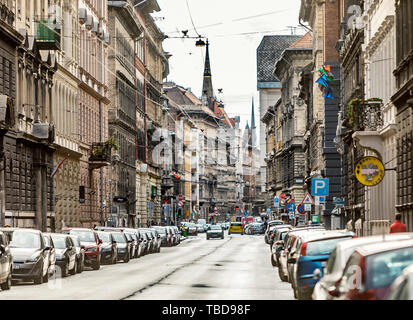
[
  {"x": 287, "y": 246},
  {"x": 80, "y": 254},
  {"x": 192, "y": 229},
  {"x": 338, "y": 258},
  {"x": 163, "y": 233},
  {"x": 402, "y": 287},
  {"x": 65, "y": 253},
  {"x": 177, "y": 234},
  {"x": 145, "y": 241},
  {"x": 309, "y": 256},
  {"x": 123, "y": 246},
  {"x": 371, "y": 269},
  {"x": 109, "y": 248},
  {"x": 255, "y": 228},
  {"x": 200, "y": 228},
  {"x": 271, "y": 225},
  {"x": 90, "y": 240},
  {"x": 132, "y": 247},
  {"x": 170, "y": 236},
  {"x": 134, "y": 233},
  {"x": 235, "y": 227},
  {"x": 156, "y": 239},
  {"x": 30, "y": 255},
  {"x": 51, "y": 253},
  {"x": 215, "y": 231},
  {"x": 6, "y": 263},
  {"x": 273, "y": 230},
  {"x": 151, "y": 240},
  {"x": 279, "y": 236}
]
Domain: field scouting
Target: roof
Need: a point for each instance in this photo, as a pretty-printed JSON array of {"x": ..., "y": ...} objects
[
  {"x": 328, "y": 234},
  {"x": 356, "y": 242},
  {"x": 381, "y": 246},
  {"x": 268, "y": 52},
  {"x": 305, "y": 42}
]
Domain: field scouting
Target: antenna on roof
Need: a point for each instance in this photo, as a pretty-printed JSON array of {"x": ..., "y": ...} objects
[{"x": 293, "y": 30}]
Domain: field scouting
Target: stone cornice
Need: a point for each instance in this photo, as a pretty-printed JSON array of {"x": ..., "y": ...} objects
[{"x": 384, "y": 29}]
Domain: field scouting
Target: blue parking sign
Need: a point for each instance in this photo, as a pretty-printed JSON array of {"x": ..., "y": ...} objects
[
  {"x": 319, "y": 187},
  {"x": 276, "y": 202}
]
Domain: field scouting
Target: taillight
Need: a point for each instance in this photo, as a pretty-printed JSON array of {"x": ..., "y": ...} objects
[
  {"x": 303, "y": 249},
  {"x": 354, "y": 237}
]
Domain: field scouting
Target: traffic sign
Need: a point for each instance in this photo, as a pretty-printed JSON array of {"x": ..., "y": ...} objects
[
  {"x": 291, "y": 216},
  {"x": 291, "y": 207},
  {"x": 282, "y": 195},
  {"x": 180, "y": 204},
  {"x": 319, "y": 187},
  {"x": 322, "y": 199},
  {"x": 316, "y": 201},
  {"x": 307, "y": 207},
  {"x": 268, "y": 211},
  {"x": 283, "y": 202},
  {"x": 307, "y": 199},
  {"x": 276, "y": 202},
  {"x": 301, "y": 209},
  {"x": 315, "y": 218}
]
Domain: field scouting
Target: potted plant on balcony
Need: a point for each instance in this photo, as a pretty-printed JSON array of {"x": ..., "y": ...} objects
[
  {"x": 352, "y": 111},
  {"x": 112, "y": 143}
]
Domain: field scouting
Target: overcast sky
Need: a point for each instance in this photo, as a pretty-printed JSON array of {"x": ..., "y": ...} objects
[{"x": 233, "y": 56}]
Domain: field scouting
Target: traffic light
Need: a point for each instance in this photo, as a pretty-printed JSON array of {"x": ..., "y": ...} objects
[{"x": 179, "y": 213}]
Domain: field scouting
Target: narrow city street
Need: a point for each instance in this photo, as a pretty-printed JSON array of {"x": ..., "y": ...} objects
[{"x": 237, "y": 267}]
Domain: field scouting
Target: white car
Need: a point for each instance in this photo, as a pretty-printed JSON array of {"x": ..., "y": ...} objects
[
  {"x": 402, "y": 287},
  {"x": 338, "y": 259}
]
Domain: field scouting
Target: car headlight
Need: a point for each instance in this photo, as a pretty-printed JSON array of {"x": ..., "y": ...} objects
[{"x": 34, "y": 258}]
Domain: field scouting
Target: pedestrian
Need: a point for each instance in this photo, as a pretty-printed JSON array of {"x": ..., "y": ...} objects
[{"x": 398, "y": 226}]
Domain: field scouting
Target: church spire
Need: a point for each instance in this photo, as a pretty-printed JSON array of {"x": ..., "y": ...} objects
[{"x": 207, "y": 89}]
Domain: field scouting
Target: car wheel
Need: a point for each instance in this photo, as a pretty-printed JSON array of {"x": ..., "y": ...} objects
[
  {"x": 126, "y": 260},
  {"x": 74, "y": 270},
  {"x": 38, "y": 279},
  {"x": 273, "y": 262},
  {"x": 96, "y": 265},
  {"x": 64, "y": 271},
  {"x": 7, "y": 284},
  {"x": 46, "y": 277},
  {"x": 303, "y": 296},
  {"x": 282, "y": 277},
  {"x": 79, "y": 267}
]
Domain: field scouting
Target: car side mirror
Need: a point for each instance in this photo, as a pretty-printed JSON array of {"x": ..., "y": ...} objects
[
  {"x": 317, "y": 274},
  {"x": 292, "y": 260}
]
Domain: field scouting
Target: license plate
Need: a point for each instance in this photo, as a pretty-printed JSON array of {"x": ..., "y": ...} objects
[
  {"x": 16, "y": 267},
  {"x": 324, "y": 263}
]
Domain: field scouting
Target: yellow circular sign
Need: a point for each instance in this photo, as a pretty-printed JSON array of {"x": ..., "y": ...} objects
[{"x": 370, "y": 171}]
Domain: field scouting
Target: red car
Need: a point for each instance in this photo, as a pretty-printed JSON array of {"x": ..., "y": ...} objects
[
  {"x": 90, "y": 240},
  {"x": 371, "y": 270}
]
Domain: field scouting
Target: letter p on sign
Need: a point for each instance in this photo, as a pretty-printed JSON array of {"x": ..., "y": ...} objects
[{"x": 319, "y": 187}]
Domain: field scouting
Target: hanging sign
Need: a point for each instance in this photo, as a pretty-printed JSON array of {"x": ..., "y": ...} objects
[{"x": 369, "y": 171}]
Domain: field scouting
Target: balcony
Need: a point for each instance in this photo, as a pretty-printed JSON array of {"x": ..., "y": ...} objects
[
  {"x": 364, "y": 115},
  {"x": 100, "y": 155},
  {"x": 48, "y": 33}
]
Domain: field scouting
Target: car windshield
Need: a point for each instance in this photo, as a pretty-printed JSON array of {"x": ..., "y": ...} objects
[
  {"x": 76, "y": 241},
  {"x": 133, "y": 236},
  {"x": 323, "y": 247},
  {"x": 59, "y": 242},
  {"x": 84, "y": 236},
  {"x": 118, "y": 237},
  {"x": 383, "y": 268},
  {"x": 105, "y": 237},
  {"x": 216, "y": 228},
  {"x": 22, "y": 239},
  {"x": 128, "y": 236},
  {"x": 236, "y": 224},
  {"x": 161, "y": 230}
]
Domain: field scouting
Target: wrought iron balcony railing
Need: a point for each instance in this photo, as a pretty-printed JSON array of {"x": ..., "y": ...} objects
[
  {"x": 364, "y": 115},
  {"x": 100, "y": 155}
]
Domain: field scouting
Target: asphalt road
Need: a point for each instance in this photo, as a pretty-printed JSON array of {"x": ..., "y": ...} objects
[{"x": 237, "y": 268}]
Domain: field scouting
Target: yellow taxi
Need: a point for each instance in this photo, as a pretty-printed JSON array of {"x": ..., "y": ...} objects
[{"x": 236, "y": 227}]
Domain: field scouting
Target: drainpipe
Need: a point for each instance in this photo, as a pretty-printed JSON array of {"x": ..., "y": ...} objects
[{"x": 101, "y": 170}]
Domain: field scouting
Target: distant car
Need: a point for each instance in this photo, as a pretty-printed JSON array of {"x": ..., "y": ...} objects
[
  {"x": 90, "y": 240},
  {"x": 254, "y": 228},
  {"x": 200, "y": 228},
  {"x": 80, "y": 254},
  {"x": 215, "y": 231},
  {"x": 6, "y": 263},
  {"x": 235, "y": 227},
  {"x": 338, "y": 258},
  {"x": 144, "y": 241},
  {"x": 192, "y": 229},
  {"x": 162, "y": 233},
  {"x": 123, "y": 246},
  {"x": 109, "y": 248},
  {"x": 278, "y": 244},
  {"x": 132, "y": 246},
  {"x": 51, "y": 253},
  {"x": 402, "y": 287},
  {"x": 30, "y": 255},
  {"x": 170, "y": 236},
  {"x": 379, "y": 264},
  {"x": 177, "y": 233},
  {"x": 273, "y": 230},
  {"x": 309, "y": 256},
  {"x": 65, "y": 253},
  {"x": 136, "y": 241},
  {"x": 156, "y": 238}
]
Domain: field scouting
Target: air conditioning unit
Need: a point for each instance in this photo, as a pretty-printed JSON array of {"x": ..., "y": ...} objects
[
  {"x": 89, "y": 22},
  {"x": 95, "y": 27},
  {"x": 41, "y": 130},
  {"x": 82, "y": 15}
]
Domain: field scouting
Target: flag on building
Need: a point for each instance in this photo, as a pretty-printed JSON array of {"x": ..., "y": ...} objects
[{"x": 57, "y": 168}]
